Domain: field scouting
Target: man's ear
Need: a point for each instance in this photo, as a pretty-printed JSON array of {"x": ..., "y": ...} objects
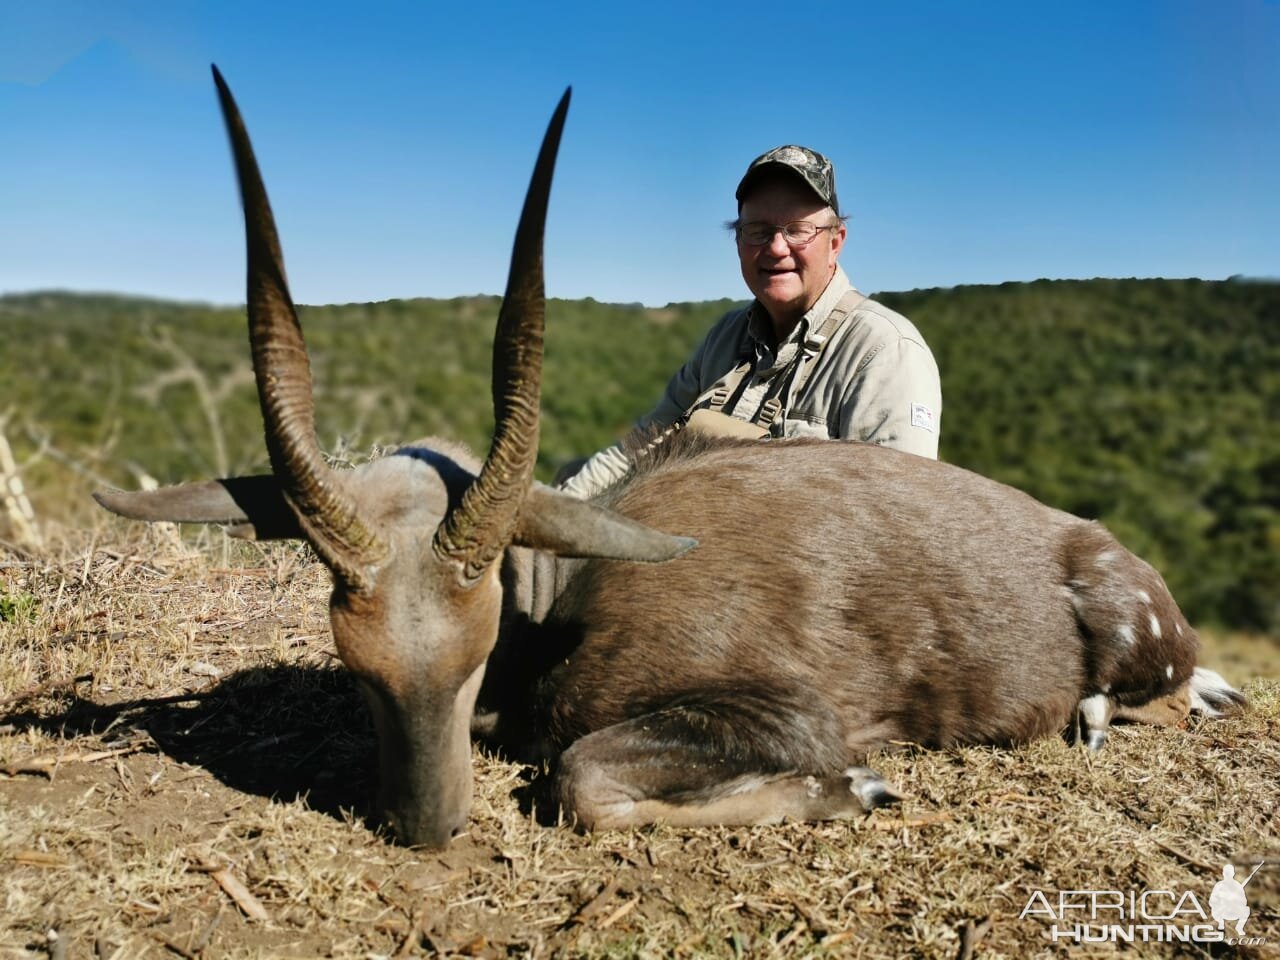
[
  {"x": 252, "y": 508},
  {"x": 838, "y": 237},
  {"x": 563, "y": 524}
]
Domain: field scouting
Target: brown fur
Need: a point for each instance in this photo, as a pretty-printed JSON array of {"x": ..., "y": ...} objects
[{"x": 843, "y": 596}]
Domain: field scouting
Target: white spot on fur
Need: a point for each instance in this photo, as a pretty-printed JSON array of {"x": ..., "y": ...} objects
[
  {"x": 1106, "y": 688},
  {"x": 1178, "y": 627},
  {"x": 1155, "y": 626},
  {"x": 1168, "y": 671},
  {"x": 1125, "y": 635},
  {"x": 1106, "y": 557},
  {"x": 1144, "y": 596}
]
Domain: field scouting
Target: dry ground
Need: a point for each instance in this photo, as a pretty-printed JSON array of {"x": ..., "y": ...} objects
[{"x": 200, "y": 792}]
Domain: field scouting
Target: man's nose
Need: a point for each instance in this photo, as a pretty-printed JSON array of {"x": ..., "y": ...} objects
[{"x": 778, "y": 246}]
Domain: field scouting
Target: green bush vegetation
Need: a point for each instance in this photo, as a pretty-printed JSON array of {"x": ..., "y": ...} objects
[
  {"x": 18, "y": 606},
  {"x": 1143, "y": 403}
]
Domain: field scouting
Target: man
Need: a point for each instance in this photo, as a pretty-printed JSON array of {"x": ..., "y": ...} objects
[
  {"x": 810, "y": 356},
  {"x": 1227, "y": 899}
]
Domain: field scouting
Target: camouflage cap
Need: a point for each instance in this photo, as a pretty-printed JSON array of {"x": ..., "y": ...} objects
[{"x": 812, "y": 167}]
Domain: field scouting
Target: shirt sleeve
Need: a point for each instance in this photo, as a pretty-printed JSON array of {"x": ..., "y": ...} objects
[
  {"x": 895, "y": 399},
  {"x": 686, "y": 386},
  {"x": 611, "y": 464}
]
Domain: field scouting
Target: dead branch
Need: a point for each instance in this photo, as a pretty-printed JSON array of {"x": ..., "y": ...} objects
[
  {"x": 232, "y": 886},
  {"x": 45, "y": 766},
  {"x": 21, "y": 517},
  {"x": 209, "y": 395}
]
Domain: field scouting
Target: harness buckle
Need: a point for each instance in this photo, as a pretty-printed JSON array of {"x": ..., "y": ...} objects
[{"x": 813, "y": 344}]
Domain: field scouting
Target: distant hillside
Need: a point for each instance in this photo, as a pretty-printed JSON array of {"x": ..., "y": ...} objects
[{"x": 1146, "y": 403}]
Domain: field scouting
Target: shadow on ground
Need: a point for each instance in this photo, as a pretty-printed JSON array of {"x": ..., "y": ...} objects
[{"x": 285, "y": 732}]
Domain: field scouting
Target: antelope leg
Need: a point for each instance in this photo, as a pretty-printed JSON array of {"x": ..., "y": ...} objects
[{"x": 650, "y": 769}]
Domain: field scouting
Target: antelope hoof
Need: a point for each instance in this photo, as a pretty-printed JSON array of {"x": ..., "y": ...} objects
[
  {"x": 870, "y": 788},
  {"x": 1094, "y": 717}
]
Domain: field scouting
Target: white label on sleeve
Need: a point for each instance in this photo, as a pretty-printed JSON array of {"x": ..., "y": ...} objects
[{"x": 922, "y": 417}]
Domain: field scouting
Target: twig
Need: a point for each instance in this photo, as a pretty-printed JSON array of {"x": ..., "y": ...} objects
[
  {"x": 92, "y": 757},
  {"x": 198, "y": 945},
  {"x": 250, "y": 905},
  {"x": 173, "y": 947},
  {"x": 125, "y": 557},
  {"x": 1185, "y": 857},
  {"x": 420, "y": 933},
  {"x": 18, "y": 549},
  {"x": 70, "y": 462},
  {"x": 904, "y": 822},
  {"x": 970, "y": 934},
  {"x": 38, "y": 858},
  {"x": 621, "y": 912},
  {"x": 595, "y": 905},
  {"x": 45, "y": 766},
  {"x": 43, "y": 689},
  {"x": 791, "y": 937},
  {"x": 766, "y": 864},
  {"x": 1013, "y": 795},
  {"x": 842, "y": 936},
  {"x": 477, "y": 946}
]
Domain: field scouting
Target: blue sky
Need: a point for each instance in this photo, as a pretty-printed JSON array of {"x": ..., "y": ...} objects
[{"x": 974, "y": 142}]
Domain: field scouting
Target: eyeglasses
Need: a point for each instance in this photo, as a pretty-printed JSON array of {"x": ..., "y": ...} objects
[{"x": 797, "y": 233}]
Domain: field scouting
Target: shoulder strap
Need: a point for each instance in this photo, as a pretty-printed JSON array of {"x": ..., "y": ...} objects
[
  {"x": 727, "y": 388},
  {"x": 725, "y": 391},
  {"x": 815, "y": 343},
  {"x": 806, "y": 362}
]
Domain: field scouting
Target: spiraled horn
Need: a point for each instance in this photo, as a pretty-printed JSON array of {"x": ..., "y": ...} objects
[
  {"x": 326, "y": 513},
  {"x": 480, "y": 527}
]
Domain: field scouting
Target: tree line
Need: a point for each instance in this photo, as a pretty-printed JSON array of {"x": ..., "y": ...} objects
[{"x": 1147, "y": 404}]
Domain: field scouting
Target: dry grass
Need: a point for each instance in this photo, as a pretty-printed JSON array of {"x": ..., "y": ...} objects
[{"x": 218, "y": 731}]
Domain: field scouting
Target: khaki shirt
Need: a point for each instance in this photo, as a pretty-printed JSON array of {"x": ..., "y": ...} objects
[{"x": 875, "y": 380}]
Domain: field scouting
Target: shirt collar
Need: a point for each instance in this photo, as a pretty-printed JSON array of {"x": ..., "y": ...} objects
[{"x": 760, "y": 327}]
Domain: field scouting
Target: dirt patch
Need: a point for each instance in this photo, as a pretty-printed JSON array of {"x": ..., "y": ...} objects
[{"x": 219, "y": 764}]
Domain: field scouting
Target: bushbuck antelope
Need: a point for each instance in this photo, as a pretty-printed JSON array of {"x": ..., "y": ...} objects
[{"x": 841, "y": 596}]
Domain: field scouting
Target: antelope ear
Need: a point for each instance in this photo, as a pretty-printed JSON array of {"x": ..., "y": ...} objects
[
  {"x": 569, "y": 527},
  {"x": 252, "y": 508}
]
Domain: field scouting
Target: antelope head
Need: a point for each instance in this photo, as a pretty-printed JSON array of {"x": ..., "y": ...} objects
[{"x": 414, "y": 539}]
